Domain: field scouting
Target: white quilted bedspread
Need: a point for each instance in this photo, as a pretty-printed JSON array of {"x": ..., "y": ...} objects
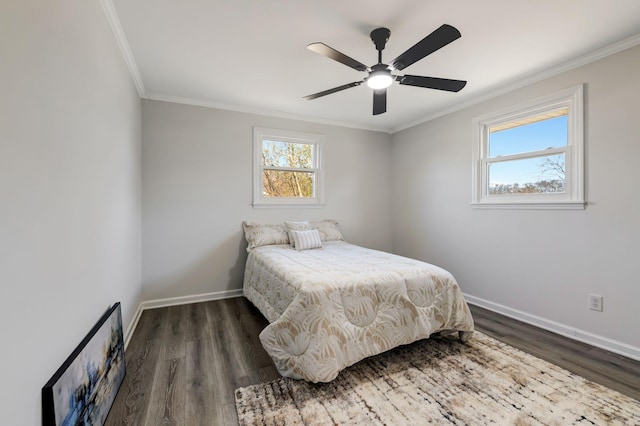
[{"x": 329, "y": 308}]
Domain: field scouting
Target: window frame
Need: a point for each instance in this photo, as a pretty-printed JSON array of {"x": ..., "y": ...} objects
[
  {"x": 316, "y": 140},
  {"x": 573, "y": 197}
]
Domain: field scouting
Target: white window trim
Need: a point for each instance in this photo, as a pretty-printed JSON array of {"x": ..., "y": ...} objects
[
  {"x": 317, "y": 140},
  {"x": 573, "y": 197}
]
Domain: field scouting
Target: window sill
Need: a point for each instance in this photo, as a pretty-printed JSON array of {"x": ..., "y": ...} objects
[
  {"x": 287, "y": 206},
  {"x": 555, "y": 205}
]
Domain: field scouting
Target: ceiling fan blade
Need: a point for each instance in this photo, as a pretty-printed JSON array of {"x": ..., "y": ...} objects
[
  {"x": 334, "y": 90},
  {"x": 432, "y": 82},
  {"x": 434, "y": 41},
  {"x": 332, "y": 53},
  {"x": 379, "y": 101}
]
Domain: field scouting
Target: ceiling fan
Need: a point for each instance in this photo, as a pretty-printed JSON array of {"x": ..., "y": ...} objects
[{"x": 380, "y": 75}]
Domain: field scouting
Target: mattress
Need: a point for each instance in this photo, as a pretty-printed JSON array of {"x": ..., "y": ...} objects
[{"x": 331, "y": 307}]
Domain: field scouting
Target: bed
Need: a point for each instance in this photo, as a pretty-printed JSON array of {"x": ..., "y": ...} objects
[{"x": 338, "y": 303}]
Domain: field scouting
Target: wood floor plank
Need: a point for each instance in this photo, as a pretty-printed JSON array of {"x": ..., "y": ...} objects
[
  {"x": 203, "y": 404},
  {"x": 228, "y": 365},
  {"x": 150, "y": 326},
  {"x": 173, "y": 341},
  {"x": 248, "y": 327},
  {"x": 197, "y": 322},
  {"x": 168, "y": 397},
  {"x": 230, "y": 414},
  {"x": 213, "y": 310}
]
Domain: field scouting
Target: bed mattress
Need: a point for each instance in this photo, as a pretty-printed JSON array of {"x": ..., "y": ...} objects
[{"x": 329, "y": 308}]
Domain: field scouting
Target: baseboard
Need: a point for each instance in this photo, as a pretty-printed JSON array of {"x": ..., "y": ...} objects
[
  {"x": 175, "y": 301},
  {"x": 558, "y": 328},
  {"x": 132, "y": 326}
]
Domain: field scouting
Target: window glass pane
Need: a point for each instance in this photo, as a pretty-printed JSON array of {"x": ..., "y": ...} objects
[
  {"x": 535, "y": 133},
  {"x": 538, "y": 175},
  {"x": 278, "y": 183},
  {"x": 287, "y": 154}
]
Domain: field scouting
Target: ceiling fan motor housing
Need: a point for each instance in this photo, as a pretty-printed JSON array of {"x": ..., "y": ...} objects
[{"x": 380, "y": 36}]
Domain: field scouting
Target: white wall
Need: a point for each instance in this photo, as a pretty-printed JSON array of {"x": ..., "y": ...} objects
[
  {"x": 539, "y": 263},
  {"x": 69, "y": 190},
  {"x": 197, "y": 190}
]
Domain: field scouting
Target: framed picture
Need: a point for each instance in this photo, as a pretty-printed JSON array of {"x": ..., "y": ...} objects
[{"x": 83, "y": 389}]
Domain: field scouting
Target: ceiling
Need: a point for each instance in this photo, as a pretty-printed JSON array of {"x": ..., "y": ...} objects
[{"x": 250, "y": 55}]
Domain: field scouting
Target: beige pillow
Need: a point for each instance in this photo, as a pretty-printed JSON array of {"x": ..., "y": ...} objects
[
  {"x": 258, "y": 235},
  {"x": 328, "y": 230},
  {"x": 305, "y": 240}
]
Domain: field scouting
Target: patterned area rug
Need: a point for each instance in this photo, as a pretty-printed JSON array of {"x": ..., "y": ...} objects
[{"x": 441, "y": 381}]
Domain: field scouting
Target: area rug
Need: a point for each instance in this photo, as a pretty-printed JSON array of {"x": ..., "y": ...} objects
[{"x": 441, "y": 381}]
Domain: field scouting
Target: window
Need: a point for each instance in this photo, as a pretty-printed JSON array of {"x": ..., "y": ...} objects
[
  {"x": 531, "y": 155},
  {"x": 287, "y": 168}
]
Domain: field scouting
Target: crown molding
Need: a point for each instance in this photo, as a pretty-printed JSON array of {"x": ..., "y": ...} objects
[
  {"x": 528, "y": 79},
  {"x": 123, "y": 44},
  {"x": 517, "y": 83},
  {"x": 257, "y": 111}
]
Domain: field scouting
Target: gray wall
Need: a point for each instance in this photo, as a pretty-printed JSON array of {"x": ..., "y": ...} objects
[
  {"x": 535, "y": 263},
  {"x": 69, "y": 190},
  {"x": 197, "y": 190}
]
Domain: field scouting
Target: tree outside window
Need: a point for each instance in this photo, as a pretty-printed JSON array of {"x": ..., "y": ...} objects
[{"x": 287, "y": 168}]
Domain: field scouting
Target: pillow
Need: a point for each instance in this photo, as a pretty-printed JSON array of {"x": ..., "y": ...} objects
[
  {"x": 296, "y": 226},
  {"x": 258, "y": 235},
  {"x": 328, "y": 230},
  {"x": 308, "y": 239}
]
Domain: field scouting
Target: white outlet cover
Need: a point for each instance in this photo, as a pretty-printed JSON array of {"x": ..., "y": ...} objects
[{"x": 595, "y": 302}]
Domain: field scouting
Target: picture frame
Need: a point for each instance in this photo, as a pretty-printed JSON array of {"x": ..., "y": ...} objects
[{"x": 83, "y": 389}]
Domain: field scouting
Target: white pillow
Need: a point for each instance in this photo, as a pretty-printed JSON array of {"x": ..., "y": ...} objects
[
  {"x": 308, "y": 239},
  {"x": 295, "y": 226}
]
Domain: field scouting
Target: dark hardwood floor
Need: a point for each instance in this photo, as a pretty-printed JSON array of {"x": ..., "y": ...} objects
[
  {"x": 184, "y": 362},
  {"x": 598, "y": 365}
]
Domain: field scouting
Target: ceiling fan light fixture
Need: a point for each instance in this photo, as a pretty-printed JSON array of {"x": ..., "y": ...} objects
[{"x": 380, "y": 79}]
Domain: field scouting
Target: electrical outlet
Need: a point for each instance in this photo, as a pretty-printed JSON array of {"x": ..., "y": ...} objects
[{"x": 595, "y": 302}]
